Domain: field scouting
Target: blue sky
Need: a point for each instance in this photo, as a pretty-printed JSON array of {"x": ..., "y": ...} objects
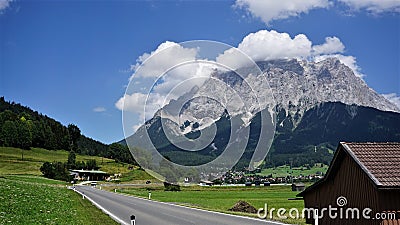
[{"x": 72, "y": 60}]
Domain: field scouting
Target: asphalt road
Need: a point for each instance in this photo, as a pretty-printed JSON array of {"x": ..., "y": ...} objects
[{"x": 147, "y": 212}]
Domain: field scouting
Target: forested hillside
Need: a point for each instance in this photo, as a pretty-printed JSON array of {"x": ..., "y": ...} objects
[{"x": 24, "y": 128}]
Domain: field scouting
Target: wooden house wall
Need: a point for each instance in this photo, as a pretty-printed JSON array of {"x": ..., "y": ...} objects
[{"x": 351, "y": 182}]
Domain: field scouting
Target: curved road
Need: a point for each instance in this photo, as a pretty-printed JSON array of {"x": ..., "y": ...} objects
[{"x": 148, "y": 212}]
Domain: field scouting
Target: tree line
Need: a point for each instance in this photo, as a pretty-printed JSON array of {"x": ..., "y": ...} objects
[
  {"x": 22, "y": 127},
  {"x": 60, "y": 170}
]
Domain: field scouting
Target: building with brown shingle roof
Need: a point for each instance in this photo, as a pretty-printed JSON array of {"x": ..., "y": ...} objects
[{"x": 363, "y": 176}]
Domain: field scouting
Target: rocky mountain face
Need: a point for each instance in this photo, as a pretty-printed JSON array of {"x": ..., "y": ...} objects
[
  {"x": 308, "y": 99},
  {"x": 301, "y": 85},
  {"x": 296, "y": 86}
]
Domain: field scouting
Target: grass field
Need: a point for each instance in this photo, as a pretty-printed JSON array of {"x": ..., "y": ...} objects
[
  {"x": 223, "y": 198},
  {"x": 29, "y": 199},
  {"x": 283, "y": 171},
  {"x": 18, "y": 161},
  {"x": 136, "y": 176}
]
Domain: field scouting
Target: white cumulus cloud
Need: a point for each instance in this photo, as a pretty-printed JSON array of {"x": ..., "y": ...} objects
[
  {"x": 267, "y": 45},
  {"x": 374, "y": 6},
  {"x": 394, "y": 98},
  {"x": 4, "y": 4},
  {"x": 167, "y": 55},
  {"x": 172, "y": 70},
  {"x": 269, "y": 10},
  {"x": 99, "y": 109},
  {"x": 331, "y": 45},
  {"x": 143, "y": 104}
]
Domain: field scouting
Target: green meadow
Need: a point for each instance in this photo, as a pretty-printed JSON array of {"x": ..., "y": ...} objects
[
  {"x": 18, "y": 161},
  {"x": 223, "y": 198},
  {"x": 27, "y": 199},
  {"x": 283, "y": 171},
  {"x": 28, "y": 162}
]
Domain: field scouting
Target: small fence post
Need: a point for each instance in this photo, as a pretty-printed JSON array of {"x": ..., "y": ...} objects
[{"x": 133, "y": 218}]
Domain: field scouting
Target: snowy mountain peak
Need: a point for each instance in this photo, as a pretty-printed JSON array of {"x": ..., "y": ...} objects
[{"x": 295, "y": 85}]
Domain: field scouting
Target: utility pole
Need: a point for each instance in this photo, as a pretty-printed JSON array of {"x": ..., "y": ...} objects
[{"x": 291, "y": 171}]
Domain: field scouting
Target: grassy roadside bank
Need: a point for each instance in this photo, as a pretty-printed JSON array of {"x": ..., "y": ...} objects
[{"x": 35, "y": 200}]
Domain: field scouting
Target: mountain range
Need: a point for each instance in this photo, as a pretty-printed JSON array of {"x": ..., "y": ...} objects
[{"x": 311, "y": 105}]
